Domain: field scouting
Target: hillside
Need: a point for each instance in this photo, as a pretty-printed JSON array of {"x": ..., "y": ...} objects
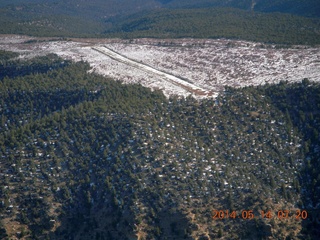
[
  {"x": 277, "y": 22},
  {"x": 99, "y": 8},
  {"x": 95, "y": 9},
  {"x": 64, "y": 18},
  {"x": 159, "y": 119},
  {"x": 308, "y": 8},
  {"x": 218, "y": 23},
  {"x": 85, "y": 157}
]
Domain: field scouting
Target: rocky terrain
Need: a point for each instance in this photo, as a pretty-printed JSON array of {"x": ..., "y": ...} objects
[{"x": 197, "y": 67}]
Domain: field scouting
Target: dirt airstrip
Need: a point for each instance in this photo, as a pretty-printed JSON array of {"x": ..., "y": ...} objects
[{"x": 200, "y": 67}]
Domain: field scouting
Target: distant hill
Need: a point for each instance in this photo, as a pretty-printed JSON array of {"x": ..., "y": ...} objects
[
  {"x": 309, "y": 8},
  {"x": 5, "y": 3},
  {"x": 95, "y": 9},
  {"x": 105, "y": 8},
  {"x": 245, "y": 19},
  {"x": 229, "y": 23}
]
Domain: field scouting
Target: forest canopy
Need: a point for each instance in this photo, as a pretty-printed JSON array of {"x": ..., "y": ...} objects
[
  {"x": 80, "y": 151},
  {"x": 220, "y": 23},
  {"x": 215, "y": 22}
]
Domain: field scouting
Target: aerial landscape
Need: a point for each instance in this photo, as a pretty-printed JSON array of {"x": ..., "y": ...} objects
[{"x": 159, "y": 119}]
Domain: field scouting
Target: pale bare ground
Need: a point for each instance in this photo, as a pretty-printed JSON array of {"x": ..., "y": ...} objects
[
  {"x": 198, "y": 67},
  {"x": 164, "y": 77}
]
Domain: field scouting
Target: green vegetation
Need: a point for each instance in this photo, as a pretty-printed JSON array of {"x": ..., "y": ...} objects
[
  {"x": 105, "y": 8},
  {"x": 220, "y": 23},
  {"x": 5, "y": 56},
  {"x": 11, "y": 69},
  {"x": 308, "y": 8},
  {"x": 18, "y": 22},
  {"x": 82, "y": 155},
  {"x": 100, "y": 19}
]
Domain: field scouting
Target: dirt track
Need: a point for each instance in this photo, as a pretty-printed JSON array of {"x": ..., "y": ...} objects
[
  {"x": 201, "y": 67},
  {"x": 165, "y": 76}
]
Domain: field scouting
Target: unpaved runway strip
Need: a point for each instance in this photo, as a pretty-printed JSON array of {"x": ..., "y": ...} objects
[{"x": 193, "y": 89}]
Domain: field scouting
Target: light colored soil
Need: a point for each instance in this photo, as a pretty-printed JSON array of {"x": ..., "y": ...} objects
[{"x": 192, "y": 66}]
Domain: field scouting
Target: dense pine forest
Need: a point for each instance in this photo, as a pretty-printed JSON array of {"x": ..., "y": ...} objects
[
  {"x": 83, "y": 156},
  {"x": 86, "y": 157},
  {"x": 309, "y": 8},
  {"x": 218, "y": 23},
  {"x": 281, "y": 22}
]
